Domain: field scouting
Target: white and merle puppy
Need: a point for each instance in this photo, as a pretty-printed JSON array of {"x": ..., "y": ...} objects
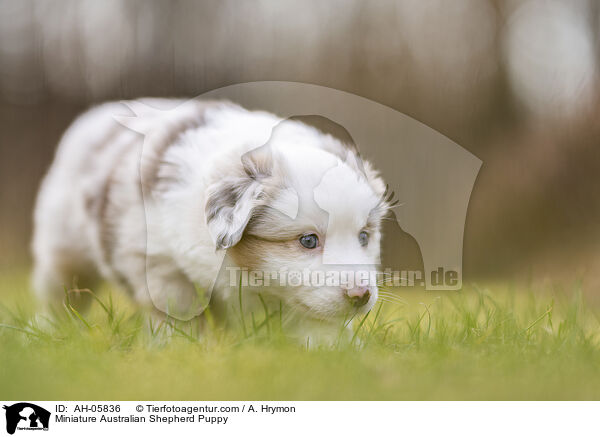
[{"x": 155, "y": 212}]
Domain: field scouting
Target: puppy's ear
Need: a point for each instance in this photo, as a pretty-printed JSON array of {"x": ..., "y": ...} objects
[
  {"x": 231, "y": 200},
  {"x": 258, "y": 163}
]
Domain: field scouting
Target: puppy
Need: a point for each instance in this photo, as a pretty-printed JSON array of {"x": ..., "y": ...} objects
[{"x": 180, "y": 196}]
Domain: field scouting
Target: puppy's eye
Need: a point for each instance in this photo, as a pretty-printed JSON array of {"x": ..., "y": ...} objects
[
  {"x": 309, "y": 241},
  {"x": 363, "y": 238}
]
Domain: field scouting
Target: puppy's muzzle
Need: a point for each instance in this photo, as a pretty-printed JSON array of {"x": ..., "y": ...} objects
[{"x": 358, "y": 296}]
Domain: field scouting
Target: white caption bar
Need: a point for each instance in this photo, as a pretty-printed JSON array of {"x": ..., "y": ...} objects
[{"x": 23, "y": 418}]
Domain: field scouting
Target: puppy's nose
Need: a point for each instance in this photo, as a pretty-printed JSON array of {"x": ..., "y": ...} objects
[{"x": 358, "y": 296}]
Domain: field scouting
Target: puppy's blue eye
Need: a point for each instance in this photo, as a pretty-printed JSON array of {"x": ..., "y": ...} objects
[
  {"x": 309, "y": 241},
  {"x": 363, "y": 238}
]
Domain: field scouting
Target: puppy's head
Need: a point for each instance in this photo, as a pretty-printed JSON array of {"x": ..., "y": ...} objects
[{"x": 305, "y": 212}]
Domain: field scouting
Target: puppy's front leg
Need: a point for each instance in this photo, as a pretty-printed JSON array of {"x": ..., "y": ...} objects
[{"x": 168, "y": 289}]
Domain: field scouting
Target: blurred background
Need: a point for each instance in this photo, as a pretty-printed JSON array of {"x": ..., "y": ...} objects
[{"x": 514, "y": 82}]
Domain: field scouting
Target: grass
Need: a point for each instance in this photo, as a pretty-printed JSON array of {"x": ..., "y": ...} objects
[{"x": 482, "y": 343}]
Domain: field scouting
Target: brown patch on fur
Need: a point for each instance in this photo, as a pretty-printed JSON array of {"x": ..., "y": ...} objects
[
  {"x": 253, "y": 252},
  {"x": 157, "y": 144},
  {"x": 107, "y": 238},
  {"x": 269, "y": 224}
]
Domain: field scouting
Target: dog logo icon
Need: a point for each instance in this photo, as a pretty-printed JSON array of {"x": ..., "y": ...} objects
[{"x": 26, "y": 416}]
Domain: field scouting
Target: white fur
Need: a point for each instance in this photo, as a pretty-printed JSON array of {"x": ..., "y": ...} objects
[{"x": 92, "y": 221}]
